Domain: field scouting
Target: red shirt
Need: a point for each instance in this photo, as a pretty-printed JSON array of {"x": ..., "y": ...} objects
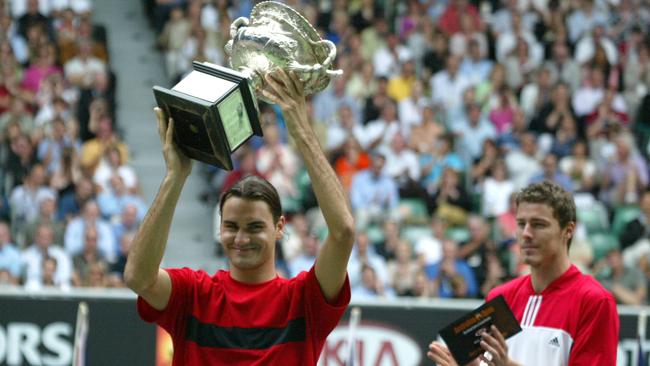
[
  {"x": 572, "y": 322},
  {"x": 449, "y": 21},
  {"x": 219, "y": 321}
]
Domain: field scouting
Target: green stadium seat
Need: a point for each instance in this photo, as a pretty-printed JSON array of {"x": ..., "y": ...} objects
[
  {"x": 413, "y": 233},
  {"x": 602, "y": 243},
  {"x": 375, "y": 234},
  {"x": 594, "y": 218},
  {"x": 458, "y": 234},
  {"x": 622, "y": 216},
  {"x": 413, "y": 211}
]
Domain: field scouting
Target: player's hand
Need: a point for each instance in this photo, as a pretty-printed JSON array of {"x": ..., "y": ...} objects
[
  {"x": 440, "y": 354},
  {"x": 287, "y": 91},
  {"x": 178, "y": 164},
  {"x": 494, "y": 343}
]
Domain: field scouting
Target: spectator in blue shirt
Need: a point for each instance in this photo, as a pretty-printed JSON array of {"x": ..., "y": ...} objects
[
  {"x": 10, "y": 261},
  {"x": 447, "y": 273},
  {"x": 374, "y": 195},
  {"x": 70, "y": 204},
  {"x": 551, "y": 173}
]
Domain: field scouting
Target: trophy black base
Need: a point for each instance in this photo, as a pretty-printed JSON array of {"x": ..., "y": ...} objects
[{"x": 214, "y": 111}]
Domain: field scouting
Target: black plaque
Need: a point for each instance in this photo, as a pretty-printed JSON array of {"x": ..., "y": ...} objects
[
  {"x": 214, "y": 111},
  {"x": 463, "y": 336}
]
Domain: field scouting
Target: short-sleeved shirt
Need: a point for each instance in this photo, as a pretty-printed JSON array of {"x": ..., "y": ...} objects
[
  {"x": 574, "y": 321},
  {"x": 216, "y": 320}
]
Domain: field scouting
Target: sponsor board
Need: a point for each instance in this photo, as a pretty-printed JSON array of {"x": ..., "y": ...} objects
[
  {"x": 28, "y": 343},
  {"x": 376, "y": 344},
  {"x": 39, "y": 330}
]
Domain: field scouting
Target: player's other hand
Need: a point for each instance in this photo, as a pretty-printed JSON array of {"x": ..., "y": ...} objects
[
  {"x": 178, "y": 164},
  {"x": 441, "y": 355},
  {"x": 496, "y": 349}
]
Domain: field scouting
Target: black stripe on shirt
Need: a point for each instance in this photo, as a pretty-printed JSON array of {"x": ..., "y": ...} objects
[{"x": 210, "y": 335}]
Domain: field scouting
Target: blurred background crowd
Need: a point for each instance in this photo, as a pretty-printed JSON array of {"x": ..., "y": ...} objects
[{"x": 446, "y": 108}]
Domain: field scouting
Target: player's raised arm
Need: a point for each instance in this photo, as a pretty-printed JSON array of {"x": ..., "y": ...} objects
[
  {"x": 142, "y": 272},
  {"x": 287, "y": 91}
]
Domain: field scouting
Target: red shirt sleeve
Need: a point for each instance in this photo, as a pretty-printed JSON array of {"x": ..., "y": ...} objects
[
  {"x": 597, "y": 339},
  {"x": 321, "y": 315},
  {"x": 174, "y": 316}
]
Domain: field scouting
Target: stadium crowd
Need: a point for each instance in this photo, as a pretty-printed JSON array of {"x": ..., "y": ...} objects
[
  {"x": 445, "y": 109},
  {"x": 69, "y": 201}
]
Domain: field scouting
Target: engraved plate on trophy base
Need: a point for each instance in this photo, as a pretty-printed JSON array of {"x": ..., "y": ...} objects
[{"x": 214, "y": 111}]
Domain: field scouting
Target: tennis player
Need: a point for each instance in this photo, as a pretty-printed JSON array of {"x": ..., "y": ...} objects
[
  {"x": 567, "y": 318},
  {"x": 247, "y": 315}
]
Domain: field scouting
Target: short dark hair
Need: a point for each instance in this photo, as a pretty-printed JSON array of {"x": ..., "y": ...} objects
[
  {"x": 254, "y": 188},
  {"x": 551, "y": 194}
]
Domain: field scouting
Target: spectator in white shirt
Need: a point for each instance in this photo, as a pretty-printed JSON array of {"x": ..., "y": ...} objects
[
  {"x": 74, "y": 232},
  {"x": 507, "y": 42},
  {"x": 475, "y": 66},
  {"x": 447, "y": 86},
  {"x": 387, "y": 59},
  {"x": 459, "y": 41},
  {"x": 364, "y": 253},
  {"x": 410, "y": 109},
  {"x": 472, "y": 131},
  {"x": 523, "y": 163},
  {"x": 584, "y": 19},
  {"x": 402, "y": 164},
  {"x": 307, "y": 256},
  {"x": 347, "y": 126},
  {"x": 379, "y": 133},
  {"x": 82, "y": 69},
  {"x": 496, "y": 191},
  {"x": 562, "y": 66},
  {"x": 587, "y": 47},
  {"x": 43, "y": 248},
  {"x": 587, "y": 99},
  {"x": 25, "y": 198}
]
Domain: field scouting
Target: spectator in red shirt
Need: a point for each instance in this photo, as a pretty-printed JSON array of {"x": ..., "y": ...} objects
[{"x": 449, "y": 21}]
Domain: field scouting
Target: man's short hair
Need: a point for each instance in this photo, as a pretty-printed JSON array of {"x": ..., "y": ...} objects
[
  {"x": 560, "y": 201},
  {"x": 254, "y": 188}
]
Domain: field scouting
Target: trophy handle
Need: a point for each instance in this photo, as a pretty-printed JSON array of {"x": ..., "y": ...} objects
[
  {"x": 316, "y": 70},
  {"x": 241, "y": 21},
  {"x": 331, "y": 54}
]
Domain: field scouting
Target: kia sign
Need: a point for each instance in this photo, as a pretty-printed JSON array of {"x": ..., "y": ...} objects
[{"x": 377, "y": 344}]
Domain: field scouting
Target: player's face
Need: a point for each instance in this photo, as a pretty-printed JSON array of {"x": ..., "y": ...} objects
[
  {"x": 538, "y": 232},
  {"x": 248, "y": 236}
]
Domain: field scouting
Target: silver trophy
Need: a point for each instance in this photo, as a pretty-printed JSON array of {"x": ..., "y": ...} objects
[
  {"x": 276, "y": 36},
  {"x": 215, "y": 108}
]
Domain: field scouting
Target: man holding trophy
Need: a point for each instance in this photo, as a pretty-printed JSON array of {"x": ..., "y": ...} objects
[{"x": 247, "y": 315}]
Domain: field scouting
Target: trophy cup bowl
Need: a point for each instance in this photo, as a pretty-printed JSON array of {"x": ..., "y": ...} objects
[
  {"x": 215, "y": 108},
  {"x": 278, "y": 37}
]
